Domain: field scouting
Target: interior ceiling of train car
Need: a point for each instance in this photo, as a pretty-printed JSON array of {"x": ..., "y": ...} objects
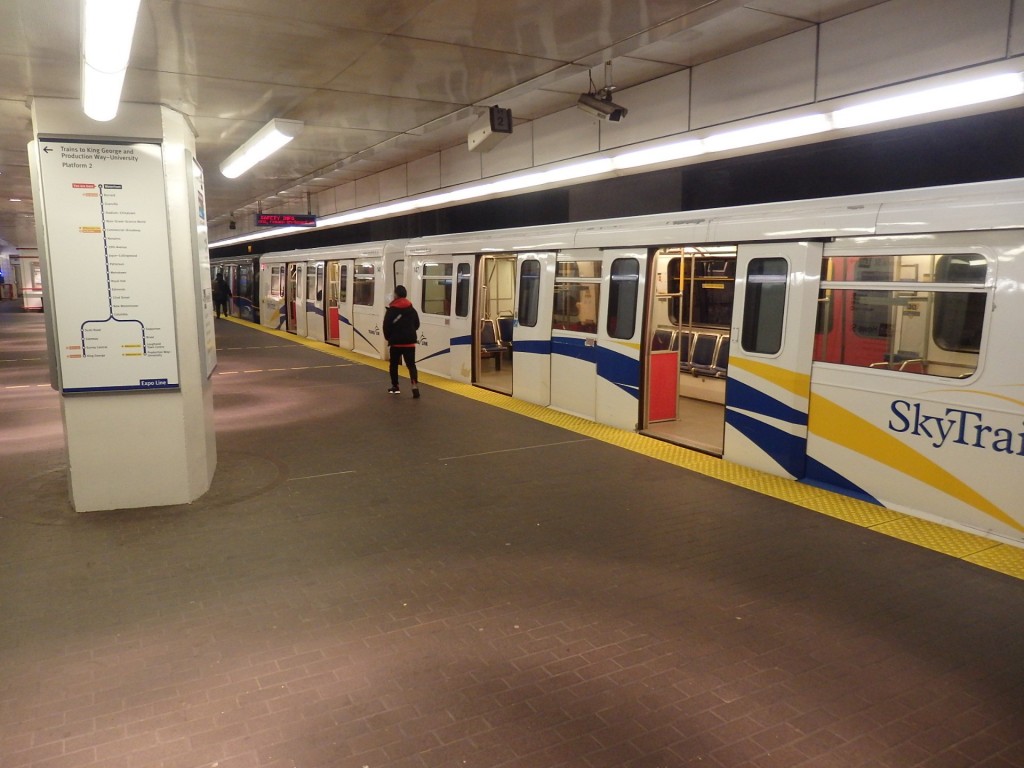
[{"x": 377, "y": 84}]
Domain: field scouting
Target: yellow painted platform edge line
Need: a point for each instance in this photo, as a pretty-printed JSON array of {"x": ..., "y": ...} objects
[{"x": 962, "y": 545}]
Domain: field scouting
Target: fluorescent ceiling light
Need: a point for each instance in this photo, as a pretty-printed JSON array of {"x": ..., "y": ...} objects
[
  {"x": 767, "y": 133},
  {"x": 931, "y": 100},
  {"x": 107, "y": 30},
  {"x": 265, "y": 142},
  {"x": 678, "y": 150}
]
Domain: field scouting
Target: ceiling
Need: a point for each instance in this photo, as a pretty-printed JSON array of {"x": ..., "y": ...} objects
[{"x": 377, "y": 82}]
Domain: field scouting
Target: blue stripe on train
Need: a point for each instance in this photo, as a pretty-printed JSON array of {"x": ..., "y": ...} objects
[
  {"x": 822, "y": 476},
  {"x": 788, "y": 451},
  {"x": 746, "y": 398}
]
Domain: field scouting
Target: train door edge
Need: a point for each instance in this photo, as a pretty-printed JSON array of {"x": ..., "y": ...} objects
[{"x": 768, "y": 386}]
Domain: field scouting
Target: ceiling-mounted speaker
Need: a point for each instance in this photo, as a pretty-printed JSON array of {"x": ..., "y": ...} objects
[{"x": 490, "y": 129}]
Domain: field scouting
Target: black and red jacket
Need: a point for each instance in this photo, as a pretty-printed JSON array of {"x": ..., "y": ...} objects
[{"x": 401, "y": 321}]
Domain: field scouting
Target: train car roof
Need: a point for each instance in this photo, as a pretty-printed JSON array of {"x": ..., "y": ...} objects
[
  {"x": 542, "y": 237},
  {"x": 373, "y": 250},
  {"x": 985, "y": 205}
]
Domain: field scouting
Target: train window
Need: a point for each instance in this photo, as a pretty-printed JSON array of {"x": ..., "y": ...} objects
[
  {"x": 337, "y": 283},
  {"x": 462, "y": 286},
  {"x": 700, "y": 286},
  {"x": 436, "y": 283},
  {"x": 363, "y": 285},
  {"x": 244, "y": 280},
  {"x": 529, "y": 293},
  {"x": 277, "y": 280},
  {"x": 676, "y": 291},
  {"x": 398, "y": 269},
  {"x": 927, "y": 321},
  {"x": 311, "y": 283},
  {"x": 577, "y": 296},
  {"x": 959, "y": 317},
  {"x": 622, "y": 300},
  {"x": 764, "y": 305}
]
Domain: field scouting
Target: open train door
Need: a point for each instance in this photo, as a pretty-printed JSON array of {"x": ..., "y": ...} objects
[
  {"x": 494, "y": 329},
  {"x": 769, "y": 377},
  {"x": 531, "y": 344}
]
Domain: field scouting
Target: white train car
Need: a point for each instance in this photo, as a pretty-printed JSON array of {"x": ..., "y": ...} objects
[
  {"x": 335, "y": 294},
  {"x": 866, "y": 344}
]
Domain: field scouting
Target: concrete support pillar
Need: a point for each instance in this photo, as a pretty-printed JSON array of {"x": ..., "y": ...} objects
[{"x": 120, "y": 214}]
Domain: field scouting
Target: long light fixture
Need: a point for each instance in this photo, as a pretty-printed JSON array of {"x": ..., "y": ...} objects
[
  {"x": 935, "y": 99},
  {"x": 767, "y": 133},
  {"x": 942, "y": 97},
  {"x": 265, "y": 142},
  {"x": 108, "y": 27}
]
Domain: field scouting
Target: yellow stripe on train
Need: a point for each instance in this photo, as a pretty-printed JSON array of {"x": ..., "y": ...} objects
[{"x": 849, "y": 430}]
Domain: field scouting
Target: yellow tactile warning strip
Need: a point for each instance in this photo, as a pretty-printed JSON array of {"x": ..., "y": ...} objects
[{"x": 1004, "y": 558}]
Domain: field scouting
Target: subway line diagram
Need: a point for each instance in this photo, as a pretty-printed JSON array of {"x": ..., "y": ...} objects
[
  {"x": 99, "y": 337},
  {"x": 110, "y": 265}
]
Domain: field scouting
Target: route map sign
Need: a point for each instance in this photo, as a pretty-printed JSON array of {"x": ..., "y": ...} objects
[{"x": 109, "y": 265}]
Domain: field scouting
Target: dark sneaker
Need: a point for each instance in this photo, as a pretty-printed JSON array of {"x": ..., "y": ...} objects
[
  {"x": 415, "y": 392},
  {"x": 394, "y": 391}
]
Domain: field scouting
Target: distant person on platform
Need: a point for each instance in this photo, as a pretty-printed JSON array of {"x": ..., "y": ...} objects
[
  {"x": 221, "y": 294},
  {"x": 401, "y": 322}
]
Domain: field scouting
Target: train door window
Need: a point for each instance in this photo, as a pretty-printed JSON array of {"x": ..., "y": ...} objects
[
  {"x": 311, "y": 282},
  {"x": 436, "y": 296},
  {"x": 529, "y": 293},
  {"x": 577, "y": 296},
  {"x": 764, "y": 306},
  {"x": 920, "y": 314},
  {"x": 625, "y": 285},
  {"x": 398, "y": 272},
  {"x": 244, "y": 280},
  {"x": 277, "y": 280},
  {"x": 342, "y": 284},
  {"x": 675, "y": 291},
  {"x": 363, "y": 285},
  {"x": 463, "y": 284}
]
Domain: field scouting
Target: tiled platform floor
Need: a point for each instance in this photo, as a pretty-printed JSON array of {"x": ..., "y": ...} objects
[{"x": 382, "y": 582}]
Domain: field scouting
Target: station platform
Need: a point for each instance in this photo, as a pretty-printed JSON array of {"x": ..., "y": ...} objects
[{"x": 375, "y": 581}]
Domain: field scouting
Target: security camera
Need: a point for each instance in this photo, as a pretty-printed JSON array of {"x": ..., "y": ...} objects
[{"x": 601, "y": 106}]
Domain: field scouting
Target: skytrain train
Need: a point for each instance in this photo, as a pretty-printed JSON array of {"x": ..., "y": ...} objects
[{"x": 867, "y": 344}]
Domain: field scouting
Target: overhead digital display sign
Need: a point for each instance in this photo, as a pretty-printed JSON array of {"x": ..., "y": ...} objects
[{"x": 285, "y": 220}]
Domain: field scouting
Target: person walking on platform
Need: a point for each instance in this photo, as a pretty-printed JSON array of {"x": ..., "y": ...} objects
[
  {"x": 221, "y": 294},
  {"x": 401, "y": 322}
]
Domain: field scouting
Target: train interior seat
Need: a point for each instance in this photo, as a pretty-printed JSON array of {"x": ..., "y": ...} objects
[
  {"x": 506, "y": 327},
  {"x": 703, "y": 363},
  {"x": 721, "y": 366},
  {"x": 490, "y": 342}
]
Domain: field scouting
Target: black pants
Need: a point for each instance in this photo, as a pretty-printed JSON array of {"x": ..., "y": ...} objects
[{"x": 406, "y": 355}]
